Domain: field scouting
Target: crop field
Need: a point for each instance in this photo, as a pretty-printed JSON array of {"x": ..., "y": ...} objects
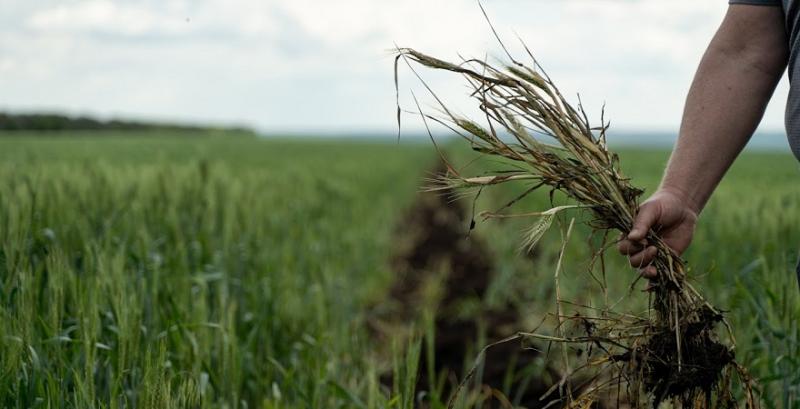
[{"x": 169, "y": 270}]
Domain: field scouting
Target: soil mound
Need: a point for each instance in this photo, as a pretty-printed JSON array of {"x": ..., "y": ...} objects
[{"x": 434, "y": 249}]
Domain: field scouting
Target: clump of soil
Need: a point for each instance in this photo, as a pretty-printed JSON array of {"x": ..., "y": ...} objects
[
  {"x": 433, "y": 243},
  {"x": 703, "y": 360}
]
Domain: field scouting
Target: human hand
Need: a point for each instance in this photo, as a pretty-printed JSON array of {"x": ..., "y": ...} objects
[{"x": 670, "y": 214}]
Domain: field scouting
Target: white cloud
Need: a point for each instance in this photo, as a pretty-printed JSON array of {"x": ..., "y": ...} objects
[
  {"x": 313, "y": 64},
  {"x": 105, "y": 16}
]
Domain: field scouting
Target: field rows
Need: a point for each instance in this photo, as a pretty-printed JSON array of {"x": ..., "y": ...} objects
[{"x": 171, "y": 271}]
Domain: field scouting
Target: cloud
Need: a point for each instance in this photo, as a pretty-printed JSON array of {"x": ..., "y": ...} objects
[
  {"x": 101, "y": 16},
  {"x": 326, "y": 65},
  {"x": 201, "y": 20}
]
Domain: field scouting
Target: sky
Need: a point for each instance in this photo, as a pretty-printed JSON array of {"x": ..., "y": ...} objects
[{"x": 317, "y": 66}]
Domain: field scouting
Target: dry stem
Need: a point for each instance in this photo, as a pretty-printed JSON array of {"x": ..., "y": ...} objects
[{"x": 525, "y": 103}]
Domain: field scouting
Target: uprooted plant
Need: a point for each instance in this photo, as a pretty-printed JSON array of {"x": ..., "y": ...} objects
[{"x": 672, "y": 353}]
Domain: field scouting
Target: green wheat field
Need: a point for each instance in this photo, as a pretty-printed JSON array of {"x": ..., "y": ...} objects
[{"x": 168, "y": 270}]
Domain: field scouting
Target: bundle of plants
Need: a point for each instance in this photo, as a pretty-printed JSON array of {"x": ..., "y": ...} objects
[{"x": 671, "y": 353}]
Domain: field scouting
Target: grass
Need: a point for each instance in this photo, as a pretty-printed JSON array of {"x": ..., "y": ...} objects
[
  {"x": 166, "y": 271},
  {"x": 153, "y": 272}
]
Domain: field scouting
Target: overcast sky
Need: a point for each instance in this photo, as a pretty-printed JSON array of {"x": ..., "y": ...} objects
[{"x": 319, "y": 65}]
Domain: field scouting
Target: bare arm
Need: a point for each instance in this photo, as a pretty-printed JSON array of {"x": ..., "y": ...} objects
[
  {"x": 733, "y": 84},
  {"x": 731, "y": 89}
]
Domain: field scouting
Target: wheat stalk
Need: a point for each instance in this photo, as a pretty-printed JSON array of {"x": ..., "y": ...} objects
[{"x": 656, "y": 354}]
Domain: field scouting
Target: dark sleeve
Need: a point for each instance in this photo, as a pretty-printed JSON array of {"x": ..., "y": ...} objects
[{"x": 757, "y": 2}]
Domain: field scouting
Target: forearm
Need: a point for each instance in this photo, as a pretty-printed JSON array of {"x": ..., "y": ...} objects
[{"x": 731, "y": 89}]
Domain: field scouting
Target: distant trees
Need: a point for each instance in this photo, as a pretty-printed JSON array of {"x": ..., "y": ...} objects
[{"x": 58, "y": 122}]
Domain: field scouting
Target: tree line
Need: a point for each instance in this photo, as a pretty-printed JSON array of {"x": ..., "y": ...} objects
[{"x": 59, "y": 122}]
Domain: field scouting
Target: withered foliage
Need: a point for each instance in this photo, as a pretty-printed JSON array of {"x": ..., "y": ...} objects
[{"x": 673, "y": 352}]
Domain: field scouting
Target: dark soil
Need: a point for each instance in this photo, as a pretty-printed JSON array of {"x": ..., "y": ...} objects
[
  {"x": 703, "y": 361},
  {"x": 433, "y": 242}
]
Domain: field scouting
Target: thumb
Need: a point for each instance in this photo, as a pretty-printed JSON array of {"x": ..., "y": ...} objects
[{"x": 648, "y": 215}]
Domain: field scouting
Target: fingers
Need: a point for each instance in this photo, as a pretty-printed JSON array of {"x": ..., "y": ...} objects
[
  {"x": 648, "y": 215},
  {"x": 630, "y": 247},
  {"x": 644, "y": 257},
  {"x": 634, "y": 245},
  {"x": 640, "y": 256},
  {"x": 649, "y": 273}
]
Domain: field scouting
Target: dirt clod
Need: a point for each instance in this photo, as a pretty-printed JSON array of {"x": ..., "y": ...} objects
[{"x": 702, "y": 362}]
